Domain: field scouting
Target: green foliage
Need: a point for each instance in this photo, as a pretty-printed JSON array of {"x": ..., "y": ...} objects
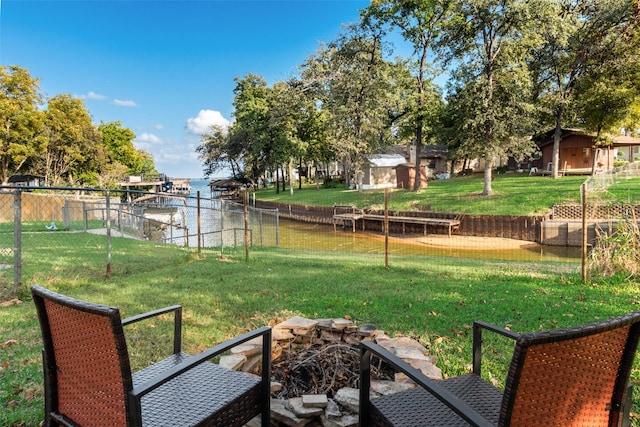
[
  {"x": 118, "y": 142},
  {"x": 333, "y": 183},
  {"x": 60, "y": 143},
  {"x": 617, "y": 253},
  {"x": 21, "y": 122},
  {"x": 577, "y": 68},
  {"x": 74, "y": 150},
  {"x": 491, "y": 85}
]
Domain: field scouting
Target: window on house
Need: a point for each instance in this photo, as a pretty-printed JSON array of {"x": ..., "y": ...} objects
[{"x": 586, "y": 152}]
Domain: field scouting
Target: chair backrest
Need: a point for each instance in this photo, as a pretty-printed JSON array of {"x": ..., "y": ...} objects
[
  {"x": 86, "y": 363},
  {"x": 571, "y": 377}
]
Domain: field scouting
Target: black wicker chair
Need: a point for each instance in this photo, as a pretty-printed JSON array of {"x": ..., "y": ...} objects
[
  {"x": 88, "y": 378},
  {"x": 566, "y": 377}
]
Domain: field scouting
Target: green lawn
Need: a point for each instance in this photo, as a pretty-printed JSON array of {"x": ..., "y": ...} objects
[
  {"x": 434, "y": 300},
  {"x": 514, "y": 194}
]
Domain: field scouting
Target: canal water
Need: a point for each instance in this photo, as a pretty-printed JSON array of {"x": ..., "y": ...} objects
[{"x": 321, "y": 237}]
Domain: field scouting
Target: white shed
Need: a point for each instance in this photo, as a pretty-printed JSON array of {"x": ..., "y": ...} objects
[{"x": 378, "y": 171}]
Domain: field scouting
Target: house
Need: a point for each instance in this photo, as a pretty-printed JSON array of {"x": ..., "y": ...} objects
[
  {"x": 435, "y": 159},
  {"x": 378, "y": 171},
  {"x": 578, "y": 151}
]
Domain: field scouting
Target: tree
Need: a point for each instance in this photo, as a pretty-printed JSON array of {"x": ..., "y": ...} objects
[
  {"x": 583, "y": 36},
  {"x": 354, "y": 87},
  {"x": 118, "y": 143},
  {"x": 421, "y": 23},
  {"x": 273, "y": 127},
  {"x": 72, "y": 140},
  {"x": 310, "y": 131},
  {"x": 489, "y": 39},
  {"x": 251, "y": 138},
  {"x": 213, "y": 153},
  {"x": 21, "y": 123}
]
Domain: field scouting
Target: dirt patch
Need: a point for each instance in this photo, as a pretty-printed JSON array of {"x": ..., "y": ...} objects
[{"x": 473, "y": 242}]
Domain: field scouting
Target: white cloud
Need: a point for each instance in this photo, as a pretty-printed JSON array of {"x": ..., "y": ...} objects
[
  {"x": 123, "y": 103},
  {"x": 158, "y": 126},
  {"x": 145, "y": 141},
  {"x": 91, "y": 95},
  {"x": 149, "y": 137},
  {"x": 204, "y": 120}
]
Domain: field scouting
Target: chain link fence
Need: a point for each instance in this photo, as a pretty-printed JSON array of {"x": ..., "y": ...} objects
[
  {"x": 78, "y": 231},
  {"x": 605, "y": 179},
  {"x": 75, "y": 230}
]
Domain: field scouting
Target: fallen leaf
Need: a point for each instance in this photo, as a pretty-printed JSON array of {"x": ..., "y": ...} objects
[
  {"x": 13, "y": 301},
  {"x": 8, "y": 343}
]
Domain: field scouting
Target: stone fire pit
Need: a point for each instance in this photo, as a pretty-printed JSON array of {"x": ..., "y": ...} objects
[{"x": 315, "y": 369}]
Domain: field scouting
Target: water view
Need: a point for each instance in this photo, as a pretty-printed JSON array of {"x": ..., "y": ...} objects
[{"x": 321, "y": 237}]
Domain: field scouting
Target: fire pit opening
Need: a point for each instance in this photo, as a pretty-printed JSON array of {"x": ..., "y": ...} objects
[{"x": 320, "y": 369}]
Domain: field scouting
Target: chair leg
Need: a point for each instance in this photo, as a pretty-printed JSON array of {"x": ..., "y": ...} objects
[
  {"x": 626, "y": 406},
  {"x": 266, "y": 379},
  {"x": 48, "y": 422},
  {"x": 365, "y": 385}
]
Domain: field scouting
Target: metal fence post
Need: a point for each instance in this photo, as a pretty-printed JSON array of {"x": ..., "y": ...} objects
[
  {"x": 108, "y": 234},
  {"x": 17, "y": 241},
  {"x": 277, "y": 228},
  {"x": 198, "y": 219},
  {"x": 245, "y": 198},
  {"x": 583, "y": 196}
]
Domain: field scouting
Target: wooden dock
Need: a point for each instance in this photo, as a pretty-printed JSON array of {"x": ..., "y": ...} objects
[
  {"x": 350, "y": 215},
  {"x": 450, "y": 224},
  {"x": 347, "y": 214}
]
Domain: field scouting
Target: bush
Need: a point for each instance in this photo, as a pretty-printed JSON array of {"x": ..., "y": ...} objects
[
  {"x": 618, "y": 252},
  {"x": 333, "y": 183}
]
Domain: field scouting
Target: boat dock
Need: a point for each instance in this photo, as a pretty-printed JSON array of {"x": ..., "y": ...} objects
[
  {"x": 351, "y": 215},
  {"x": 166, "y": 185}
]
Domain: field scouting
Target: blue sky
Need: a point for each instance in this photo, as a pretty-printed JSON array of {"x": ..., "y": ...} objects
[{"x": 165, "y": 69}]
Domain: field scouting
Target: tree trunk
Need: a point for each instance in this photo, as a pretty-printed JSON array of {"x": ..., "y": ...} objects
[
  {"x": 284, "y": 179},
  {"x": 417, "y": 181},
  {"x": 488, "y": 165},
  {"x": 557, "y": 135},
  {"x": 488, "y": 138},
  {"x": 290, "y": 167},
  {"x": 347, "y": 172}
]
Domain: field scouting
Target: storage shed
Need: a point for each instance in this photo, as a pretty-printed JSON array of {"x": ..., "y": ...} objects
[
  {"x": 379, "y": 170},
  {"x": 406, "y": 174}
]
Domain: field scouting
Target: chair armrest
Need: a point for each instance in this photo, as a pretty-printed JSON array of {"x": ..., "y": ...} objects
[
  {"x": 454, "y": 403},
  {"x": 138, "y": 392},
  {"x": 177, "y": 323},
  {"x": 478, "y": 326}
]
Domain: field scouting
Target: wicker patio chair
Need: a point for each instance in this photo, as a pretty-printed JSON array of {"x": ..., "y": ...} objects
[
  {"x": 88, "y": 378},
  {"x": 576, "y": 376}
]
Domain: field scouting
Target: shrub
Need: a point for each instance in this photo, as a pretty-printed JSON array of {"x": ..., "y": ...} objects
[
  {"x": 616, "y": 252},
  {"x": 333, "y": 183}
]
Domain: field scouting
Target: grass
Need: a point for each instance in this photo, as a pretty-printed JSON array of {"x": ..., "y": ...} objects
[
  {"x": 514, "y": 194},
  {"x": 432, "y": 299}
]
